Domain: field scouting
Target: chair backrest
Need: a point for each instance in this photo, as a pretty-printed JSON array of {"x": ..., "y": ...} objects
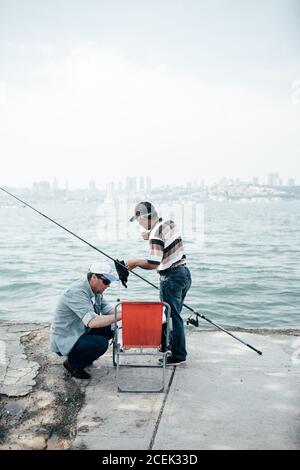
[{"x": 142, "y": 324}]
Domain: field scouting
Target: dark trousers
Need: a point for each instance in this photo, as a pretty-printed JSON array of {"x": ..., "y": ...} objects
[
  {"x": 89, "y": 347},
  {"x": 173, "y": 289}
]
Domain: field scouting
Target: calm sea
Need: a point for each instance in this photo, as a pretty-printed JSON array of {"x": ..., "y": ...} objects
[{"x": 246, "y": 272}]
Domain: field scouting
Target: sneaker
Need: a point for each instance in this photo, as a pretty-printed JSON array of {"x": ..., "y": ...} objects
[
  {"x": 172, "y": 361},
  {"x": 77, "y": 373}
]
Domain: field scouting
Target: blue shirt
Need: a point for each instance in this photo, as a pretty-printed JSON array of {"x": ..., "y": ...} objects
[{"x": 76, "y": 308}]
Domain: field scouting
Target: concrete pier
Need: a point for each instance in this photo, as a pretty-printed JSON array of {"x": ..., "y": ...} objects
[{"x": 225, "y": 397}]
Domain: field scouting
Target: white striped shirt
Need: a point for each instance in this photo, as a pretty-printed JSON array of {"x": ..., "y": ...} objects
[{"x": 165, "y": 245}]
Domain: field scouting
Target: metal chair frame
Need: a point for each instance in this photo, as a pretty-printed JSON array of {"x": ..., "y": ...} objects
[{"x": 118, "y": 351}]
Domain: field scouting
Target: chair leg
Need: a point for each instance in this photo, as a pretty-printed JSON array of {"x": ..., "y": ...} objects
[
  {"x": 164, "y": 371},
  {"x": 114, "y": 353},
  {"x": 118, "y": 367},
  {"x": 120, "y": 389}
]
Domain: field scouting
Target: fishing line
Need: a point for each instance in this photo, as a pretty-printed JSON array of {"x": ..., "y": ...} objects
[{"x": 121, "y": 267}]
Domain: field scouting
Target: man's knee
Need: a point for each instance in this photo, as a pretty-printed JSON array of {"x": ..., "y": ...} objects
[{"x": 101, "y": 345}]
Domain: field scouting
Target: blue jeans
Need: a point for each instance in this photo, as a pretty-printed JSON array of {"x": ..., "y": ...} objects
[
  {"x": 89, "y": 347},
  {"x": 173, "y": 289}
]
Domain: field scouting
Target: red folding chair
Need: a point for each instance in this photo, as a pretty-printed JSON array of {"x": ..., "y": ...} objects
[{"x": 141, "y": 330}]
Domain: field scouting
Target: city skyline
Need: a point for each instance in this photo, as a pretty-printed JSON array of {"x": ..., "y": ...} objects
[
  {"x": 133, "y": 189},
  {"x": 145, "y": 183}
]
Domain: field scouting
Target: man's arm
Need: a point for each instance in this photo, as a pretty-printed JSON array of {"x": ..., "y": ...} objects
[
  {"x": 140, "y": 263},
  {"x": 156, "y": 251},
  {"x": 79, "y": 302},
  {"x": 104, "y": 320}
]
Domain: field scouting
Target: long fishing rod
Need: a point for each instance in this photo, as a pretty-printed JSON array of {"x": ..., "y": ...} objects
[
  {"x": 117, "y": 262},
  {"x": 79, "y": 238}
]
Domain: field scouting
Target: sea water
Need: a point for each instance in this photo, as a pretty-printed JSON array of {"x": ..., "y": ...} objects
[{"x": 245, "y": 268}]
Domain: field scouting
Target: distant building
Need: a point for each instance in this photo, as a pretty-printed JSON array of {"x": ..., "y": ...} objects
[
  {"x": 92, "y": 185},
  {"x": 41, "y": 187},
  {"x": 291, "y": 182},
  {"x": 131, "y": 184},
  {"x": 110, "y": 190},
  {"x": 45, "y": 186},
  {"x": 55, "y": 184},
  {"x": 35, "y": 187},
  {"x": 148, "y": 184},
  {"x": 142, "y": 184},
  {"x": 255, "y": 181},
  {"x": 273, "y": 179}
]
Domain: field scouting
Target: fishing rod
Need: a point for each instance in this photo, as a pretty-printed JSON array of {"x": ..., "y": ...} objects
[
  {"x": 117, "y": 262},
  {"x": 120, "y": 266}
]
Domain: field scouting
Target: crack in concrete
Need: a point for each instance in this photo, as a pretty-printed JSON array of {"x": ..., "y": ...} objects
[{"x": 151, "y": 444}]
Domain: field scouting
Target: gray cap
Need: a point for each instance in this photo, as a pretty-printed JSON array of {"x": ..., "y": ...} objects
[{"x": 143, "y": 209}]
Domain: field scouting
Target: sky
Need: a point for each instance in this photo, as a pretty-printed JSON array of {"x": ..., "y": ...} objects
[{"x": 177, "y": 90}]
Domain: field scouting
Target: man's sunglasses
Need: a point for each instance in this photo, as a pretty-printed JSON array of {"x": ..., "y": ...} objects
[{"x": 106, "y": 282}]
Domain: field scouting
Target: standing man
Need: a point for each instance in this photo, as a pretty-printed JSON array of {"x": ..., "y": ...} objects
[
  {"x": 82, "y": 322},
  {"x": 166, "y": 254}
]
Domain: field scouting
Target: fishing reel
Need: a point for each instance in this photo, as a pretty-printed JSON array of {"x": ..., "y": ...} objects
[{"x": 192, "y": 321}]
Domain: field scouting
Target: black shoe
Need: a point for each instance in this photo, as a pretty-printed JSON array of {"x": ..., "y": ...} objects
[
  {"x": 172, "y": 361},
  {"x": 77, "y": 373}
]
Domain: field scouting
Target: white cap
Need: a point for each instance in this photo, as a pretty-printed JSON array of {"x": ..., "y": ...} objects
[{"x": 104, "y": 269}]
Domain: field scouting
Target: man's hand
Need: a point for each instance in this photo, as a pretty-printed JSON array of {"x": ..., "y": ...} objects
[{"x": 131, "y": 264}]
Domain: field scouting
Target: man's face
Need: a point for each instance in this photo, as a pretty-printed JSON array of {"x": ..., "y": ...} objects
[
  {"x": 145, "y": 222},
  {"x": 99, "y": 283}
]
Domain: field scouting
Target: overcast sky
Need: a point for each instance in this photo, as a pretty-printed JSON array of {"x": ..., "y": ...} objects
[{"x": 179, "y": 90}]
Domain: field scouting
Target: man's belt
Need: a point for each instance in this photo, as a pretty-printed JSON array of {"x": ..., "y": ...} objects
[{"x": 166, "y": 271}]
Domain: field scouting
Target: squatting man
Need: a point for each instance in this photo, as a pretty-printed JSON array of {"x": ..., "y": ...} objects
[{"x": 81, "y": 328}]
